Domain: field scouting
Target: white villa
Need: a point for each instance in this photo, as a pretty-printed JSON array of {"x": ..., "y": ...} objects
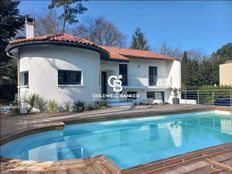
[{"x": 67, "y": 68}]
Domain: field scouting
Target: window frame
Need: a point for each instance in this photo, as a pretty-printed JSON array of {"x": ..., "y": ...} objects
[
  {"x": 22, "y": 79},
  {"x": 70, "y": 84},
  {"x": 124, "y": 77},
  {"x": 156, "y": 93},
  {"x": 152, "y": 81},
  {"x": 132, "y": 93}
]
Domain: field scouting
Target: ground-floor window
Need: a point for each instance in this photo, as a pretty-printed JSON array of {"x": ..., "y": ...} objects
[
  {"x": 24, "y": 81},
  {"x": 131, "y": 95},
  {"x": 67, "y": 77},
  {"x": 156, "y": 95}
]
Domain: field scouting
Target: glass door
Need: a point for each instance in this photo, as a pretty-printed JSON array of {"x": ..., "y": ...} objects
[
  {"x": 124, "y": 73},
  {"x": 152, "y": 75}
]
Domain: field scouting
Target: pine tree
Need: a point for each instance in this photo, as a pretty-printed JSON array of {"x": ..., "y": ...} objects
[
  {"x": 139, "y": 41},
  {"x": 10, "y": 22},
  {"x": 184, "y": 70},
  {"x": 70, "y": 10}
]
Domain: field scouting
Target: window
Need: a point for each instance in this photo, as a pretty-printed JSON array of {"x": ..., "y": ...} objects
[
  {"x": 156, "y": 95},
  {"x": 152, "y": 75},
  {"x": 66, "y": 77},
  {"x": 123, "y": 72},
  {"x": 151, "y": 95},
  {"x": 24, "y": 78},
  {"x": 131, "y": 95}
]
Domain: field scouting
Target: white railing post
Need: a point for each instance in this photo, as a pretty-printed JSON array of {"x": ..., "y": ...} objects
[
  {"x": 213, "y": 98},
  {"x": 230, "y": 98},
  {"x": 198, "y": 96},
  {"x": 185, "y": 96}
]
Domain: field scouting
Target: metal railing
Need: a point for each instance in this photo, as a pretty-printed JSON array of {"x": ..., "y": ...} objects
[
  {"x": 207, "y": 97},
  {"x": 146, "y": 81}
]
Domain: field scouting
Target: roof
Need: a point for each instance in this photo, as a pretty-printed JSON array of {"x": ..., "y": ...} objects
[
  {"x": 125, "y": 53},
  {"x": 114, "y": 53},
  {"x": 229, "y": 61},
  {"x": 55, "y": 37}
]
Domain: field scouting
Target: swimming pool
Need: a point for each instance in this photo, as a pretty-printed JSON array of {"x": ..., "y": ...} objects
[{"x": 127, "y": 142}]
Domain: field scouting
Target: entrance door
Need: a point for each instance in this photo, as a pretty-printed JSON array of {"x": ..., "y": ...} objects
[
  {"x": 104, "y": 82},
  {"x": 152, "y": 75}
]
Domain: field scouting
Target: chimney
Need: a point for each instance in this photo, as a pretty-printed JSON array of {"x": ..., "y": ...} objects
[{"x": 29, "y": 25}]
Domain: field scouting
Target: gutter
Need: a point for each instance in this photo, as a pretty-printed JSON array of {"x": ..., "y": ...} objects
[
  {"x": 103, "y": 53},
  {"x": 17, "y": 60}
]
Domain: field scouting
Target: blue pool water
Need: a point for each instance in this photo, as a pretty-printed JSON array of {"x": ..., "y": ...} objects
[{"x": 127, "y": 142}]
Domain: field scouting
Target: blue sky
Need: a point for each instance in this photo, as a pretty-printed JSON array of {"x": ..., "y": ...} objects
[{"x": 201, "y": 25}]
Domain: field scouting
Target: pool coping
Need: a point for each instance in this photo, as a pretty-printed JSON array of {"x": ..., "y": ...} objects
[
  {"x": 116, "y": 116},
  {"x": 161, "y": 165}
]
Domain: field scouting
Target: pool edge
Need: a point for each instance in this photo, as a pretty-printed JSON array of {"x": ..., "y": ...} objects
[{"x": 60, "y": 125}]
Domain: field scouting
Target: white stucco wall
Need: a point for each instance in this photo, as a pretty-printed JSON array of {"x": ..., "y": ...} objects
[
  {"x": 43, "y": 64},
  {"x": 170, "y": 70},
  {"x": 175, "y": 73}
]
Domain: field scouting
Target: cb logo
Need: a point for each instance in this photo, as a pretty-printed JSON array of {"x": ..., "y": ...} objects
[{"x": 115, "y": 83}]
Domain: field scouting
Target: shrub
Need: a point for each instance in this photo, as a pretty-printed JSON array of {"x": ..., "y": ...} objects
[
  {"x": 78, "y": 106},
  {"x": 89, "y": 107},
  {"x": 67, "y": 106},
  {"x": 60, "y": 107},
  {"x": 41, "y": 104},
  {"x": 99, "y": 104},
  {"x": 15, "y": 110},
  {"x": 31, "y": 101},
  {"x": 52, "y": 106}
]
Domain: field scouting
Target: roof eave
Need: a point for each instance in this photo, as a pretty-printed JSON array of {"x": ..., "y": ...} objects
[
  {"x": 103, "y": 53},
  {"x": 152, "y": 58}
]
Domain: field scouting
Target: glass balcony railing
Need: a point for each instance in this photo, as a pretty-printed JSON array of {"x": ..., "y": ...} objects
[{"x": 146, "y": 81}]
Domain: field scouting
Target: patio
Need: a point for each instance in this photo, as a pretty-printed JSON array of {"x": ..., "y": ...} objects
[{"x": 210, "y": 160}]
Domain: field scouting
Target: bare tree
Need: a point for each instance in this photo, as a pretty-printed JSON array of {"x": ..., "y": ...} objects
[
  {"x": 48, "y": 23},
  {"x": 100, "y": 31},
  {"x": 196, "y": 54},
  {"x": 166, "y": 49}
]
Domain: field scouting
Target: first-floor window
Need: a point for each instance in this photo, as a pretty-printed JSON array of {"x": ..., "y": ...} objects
[
  {"x": 156, "y": 95},
  {"x": 132, "y": 95},
  {"x": 24, "y": 78},
  {"x": 67, "y": 77}
]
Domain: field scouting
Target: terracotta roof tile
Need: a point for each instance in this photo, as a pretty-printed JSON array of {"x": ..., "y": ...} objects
[
  {"x": 124, "y": 53},
  {"x": 115, "y": 53},
  {"x": 55, "y": 37}
]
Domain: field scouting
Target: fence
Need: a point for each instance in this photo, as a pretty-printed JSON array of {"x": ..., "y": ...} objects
[{"x": 207, "y": 97}]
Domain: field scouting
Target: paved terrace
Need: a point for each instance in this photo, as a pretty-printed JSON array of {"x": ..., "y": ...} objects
[{"x": 211, "y": 160}]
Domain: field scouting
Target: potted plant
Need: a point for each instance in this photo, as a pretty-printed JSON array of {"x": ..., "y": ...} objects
[{"x": 175, "y": 100}]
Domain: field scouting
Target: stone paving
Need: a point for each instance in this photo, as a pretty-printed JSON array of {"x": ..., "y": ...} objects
[{"x": 207, "y": 161}]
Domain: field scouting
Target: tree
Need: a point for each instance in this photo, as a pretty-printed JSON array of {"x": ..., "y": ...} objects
[
  {"x": 100, "y": 31},
  {"x": 184, "y": 69},
  {"x": 222, "y": 55},
  {"x": 207, "y": 74},
  {"x": 195, "y": 55},
  {"x": 139, "y": 41},
  {"x": 10, "y": 22},
  {"x": 48, "y": 23},
  {"x": 70, "y": 10},
  {"x": 165, "y": 49}
]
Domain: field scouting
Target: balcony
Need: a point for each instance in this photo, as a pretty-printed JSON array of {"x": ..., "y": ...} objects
[{"x": 133, "y": 81}]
